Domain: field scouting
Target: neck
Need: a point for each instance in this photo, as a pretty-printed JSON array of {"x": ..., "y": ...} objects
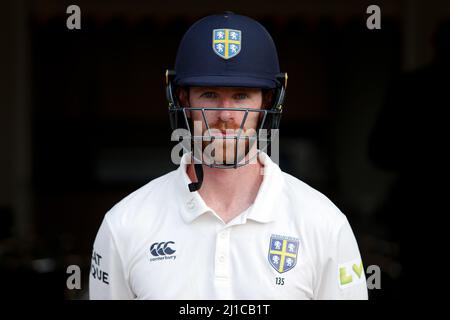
[{"x": 229, "y": 191}]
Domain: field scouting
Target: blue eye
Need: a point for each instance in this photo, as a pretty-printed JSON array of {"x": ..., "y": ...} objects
[
  {"x": 241, "y": 96},
  {"x": 209, "y": 95}
]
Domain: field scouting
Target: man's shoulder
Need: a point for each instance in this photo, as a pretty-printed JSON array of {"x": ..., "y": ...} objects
[
  {"x": 152, "y": 194},
  {"x": 311, "y": 204}
]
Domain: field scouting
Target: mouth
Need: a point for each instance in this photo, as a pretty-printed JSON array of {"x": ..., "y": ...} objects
[
  {"x": 225, "y": 133},
  {"x": 230, "y": 133}
]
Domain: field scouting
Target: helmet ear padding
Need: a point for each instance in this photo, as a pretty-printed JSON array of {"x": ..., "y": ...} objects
[{"x": 277, "y": 103}]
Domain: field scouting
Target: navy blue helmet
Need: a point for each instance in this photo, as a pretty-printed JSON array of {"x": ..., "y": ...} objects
[{"x": 227, "y": 50}]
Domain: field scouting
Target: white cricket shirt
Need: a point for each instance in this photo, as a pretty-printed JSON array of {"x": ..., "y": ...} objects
[{"x": 164, "y": 242}]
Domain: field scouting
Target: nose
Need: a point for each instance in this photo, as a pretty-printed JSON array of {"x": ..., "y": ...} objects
[{"x": 226, "y": 115}]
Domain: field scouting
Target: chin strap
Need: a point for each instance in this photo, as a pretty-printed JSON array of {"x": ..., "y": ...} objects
[{"x": 195, "y": 186}]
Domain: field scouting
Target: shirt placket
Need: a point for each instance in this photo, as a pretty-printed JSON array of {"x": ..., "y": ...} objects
[
  {"x": 222, "y": 264},
  {"x": 222, "y": 258}
]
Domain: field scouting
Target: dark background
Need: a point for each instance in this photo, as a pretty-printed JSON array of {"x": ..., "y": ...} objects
[{"x": 83, "y": 122}]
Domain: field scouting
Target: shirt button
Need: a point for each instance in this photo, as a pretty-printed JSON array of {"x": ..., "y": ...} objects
[
  {"x": 221, "y": 259},
  {"x": 223, "y": 235},
  {"x": 191, "y": 204}
]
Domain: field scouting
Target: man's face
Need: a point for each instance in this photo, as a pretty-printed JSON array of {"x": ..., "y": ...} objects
[{"x": 224, "y": 123}]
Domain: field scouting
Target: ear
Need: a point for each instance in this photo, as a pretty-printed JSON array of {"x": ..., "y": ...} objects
[
  {"x": 267, "y": 98},
  {"x": 183, "y": 96}
]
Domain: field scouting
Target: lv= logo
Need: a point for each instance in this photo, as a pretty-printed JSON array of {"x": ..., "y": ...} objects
[{"x": 351, "y": 273}]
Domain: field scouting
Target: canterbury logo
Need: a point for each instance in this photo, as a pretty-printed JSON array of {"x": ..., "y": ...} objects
[{"x": 161, "y": 248}]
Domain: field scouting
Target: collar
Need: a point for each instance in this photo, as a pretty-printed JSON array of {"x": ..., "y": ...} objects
[{"x": 262, "y": 210}]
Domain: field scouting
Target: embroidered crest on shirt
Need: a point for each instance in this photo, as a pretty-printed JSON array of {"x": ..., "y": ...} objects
[{"x": 283, "y": 252}]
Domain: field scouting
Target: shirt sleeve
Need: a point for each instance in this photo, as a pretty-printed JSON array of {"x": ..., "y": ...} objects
[
  {"x": 107, "y": 280},
  {"x": 342, "y": 274}
]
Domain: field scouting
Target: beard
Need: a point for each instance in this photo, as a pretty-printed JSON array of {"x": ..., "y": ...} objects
[{"x": 223, "y": 147}]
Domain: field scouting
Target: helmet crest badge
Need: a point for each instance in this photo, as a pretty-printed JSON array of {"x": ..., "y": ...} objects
[{"x": 226, "y": 43}]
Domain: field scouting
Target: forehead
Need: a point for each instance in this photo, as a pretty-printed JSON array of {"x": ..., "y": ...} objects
[{"x": 224, "y": 89}]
